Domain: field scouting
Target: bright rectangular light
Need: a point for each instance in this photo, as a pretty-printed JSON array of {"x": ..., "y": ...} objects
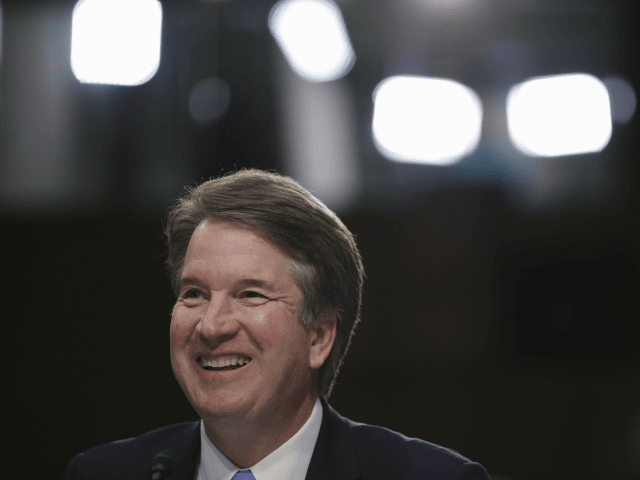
[
  {"x": 425, "y": 120},
  {"x": 116, "y": 42},
  {"x": 559, "y": 115},
  {"x": 313, "y": 38}
]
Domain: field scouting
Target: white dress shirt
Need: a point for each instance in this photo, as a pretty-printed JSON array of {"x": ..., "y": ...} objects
[{"x": 290, "y": 460}]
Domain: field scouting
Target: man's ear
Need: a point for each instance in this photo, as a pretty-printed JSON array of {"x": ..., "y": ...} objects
[{"x": 323, "y": 334}]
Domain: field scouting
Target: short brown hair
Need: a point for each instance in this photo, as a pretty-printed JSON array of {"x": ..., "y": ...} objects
[{"x": 327, "y": 264}]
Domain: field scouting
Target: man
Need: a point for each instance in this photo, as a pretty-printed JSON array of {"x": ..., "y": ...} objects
[{"x": 268, "y": 284}]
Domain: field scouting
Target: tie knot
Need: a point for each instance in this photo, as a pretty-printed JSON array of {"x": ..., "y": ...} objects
[{"x": 244, "y": 475}]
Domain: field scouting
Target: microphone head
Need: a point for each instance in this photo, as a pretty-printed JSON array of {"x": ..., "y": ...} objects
[{"x": 163, "y": 463}]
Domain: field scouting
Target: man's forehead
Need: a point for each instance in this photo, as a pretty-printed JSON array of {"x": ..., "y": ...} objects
[
  {"x": 215, "y": 238},
  {"x": 210, "y": 223},
  {"x": 203, "y": 224},
  {"x": 245, "y": 263}
]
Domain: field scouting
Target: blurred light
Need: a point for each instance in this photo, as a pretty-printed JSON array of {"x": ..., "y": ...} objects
[
  {"x": 425, "y": 120},
  {"x": 443, "y": 8},
  {"x": 622, "y": 98},
  {"x": 459, "y": 12},
  {"x": 313, "y": 38},
  {"x": 209, "y": 99},
  {"x": 320, "y": 137},
  {"x": 1, "y": 29},
  {"x": 116, "y": 42},
  {"x": 559, "y": 115}
]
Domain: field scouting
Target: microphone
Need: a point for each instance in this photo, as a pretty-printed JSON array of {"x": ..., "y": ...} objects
[{"x": 162, "y": 466}]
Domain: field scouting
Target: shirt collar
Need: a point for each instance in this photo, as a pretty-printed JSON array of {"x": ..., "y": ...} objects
[{"x": 290, "y": 460}]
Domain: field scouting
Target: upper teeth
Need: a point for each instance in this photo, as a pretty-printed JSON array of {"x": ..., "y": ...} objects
[{"x": 226, "y": 361}]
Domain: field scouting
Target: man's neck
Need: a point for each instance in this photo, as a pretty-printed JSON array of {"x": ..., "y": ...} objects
[{"x": 247, "y": 441}]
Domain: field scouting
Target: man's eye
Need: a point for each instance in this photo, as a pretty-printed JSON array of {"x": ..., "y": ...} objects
[
  {"x": 192, "y": 294},
  {"x": 252, "y": 294}
]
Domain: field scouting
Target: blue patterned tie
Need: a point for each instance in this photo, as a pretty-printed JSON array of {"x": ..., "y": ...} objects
[{"x": 244, "y": 475}]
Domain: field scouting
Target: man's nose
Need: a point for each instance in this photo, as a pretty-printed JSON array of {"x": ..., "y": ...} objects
[{"x": 219, "y": 322}]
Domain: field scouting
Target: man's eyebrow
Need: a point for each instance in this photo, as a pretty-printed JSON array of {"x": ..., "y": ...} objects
[
  {"x": 189, "y": 281},
  {"x": 255, "y": 282},
  {"x": 245, "y": 282}
]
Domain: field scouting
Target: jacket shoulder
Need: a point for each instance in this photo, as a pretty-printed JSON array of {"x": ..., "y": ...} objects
[
  {"x": 382, "y": 452},
  {"x": 132, "y": 457}
]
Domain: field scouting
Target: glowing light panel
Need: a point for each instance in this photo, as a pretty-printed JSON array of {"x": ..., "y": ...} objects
[
  {"x": 425, "y": 120},
  {"x": 313, "y": 38},
  {"x": 116, "y": 42},
  {"x": 559, "y": 115},
  {"x": 622, "y": 98},
  {"x": 209, "y": 99}
]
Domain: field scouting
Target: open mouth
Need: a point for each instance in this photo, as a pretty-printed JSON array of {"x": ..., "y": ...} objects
[{"x": 224, "y": 363}]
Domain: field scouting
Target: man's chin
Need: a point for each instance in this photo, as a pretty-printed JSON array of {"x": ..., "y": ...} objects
[{"x": 220, "y": 408}]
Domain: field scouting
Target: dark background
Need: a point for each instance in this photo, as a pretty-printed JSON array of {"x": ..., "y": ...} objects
[{"x": 500, "y": 316}]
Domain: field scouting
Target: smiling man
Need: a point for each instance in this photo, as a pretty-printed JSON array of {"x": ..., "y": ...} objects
[
  {"x": 268, "y": 284},
  {"x": 237, "y": 348}
]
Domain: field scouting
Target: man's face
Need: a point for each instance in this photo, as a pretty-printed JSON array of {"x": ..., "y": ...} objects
[{"x": 238, "y": 303}]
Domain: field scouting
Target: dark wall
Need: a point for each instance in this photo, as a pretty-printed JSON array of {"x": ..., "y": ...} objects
[
  {"x": 85, "y": 319},
  {"x": 509, "y": 336}
]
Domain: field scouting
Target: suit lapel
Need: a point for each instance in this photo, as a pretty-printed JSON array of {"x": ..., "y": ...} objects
[
  {"x": 334, "y": 455},
  {"x": 187, "y": 453}
]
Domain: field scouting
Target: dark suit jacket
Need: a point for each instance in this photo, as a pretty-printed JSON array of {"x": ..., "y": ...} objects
[{"x": 345, "y": 450}]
